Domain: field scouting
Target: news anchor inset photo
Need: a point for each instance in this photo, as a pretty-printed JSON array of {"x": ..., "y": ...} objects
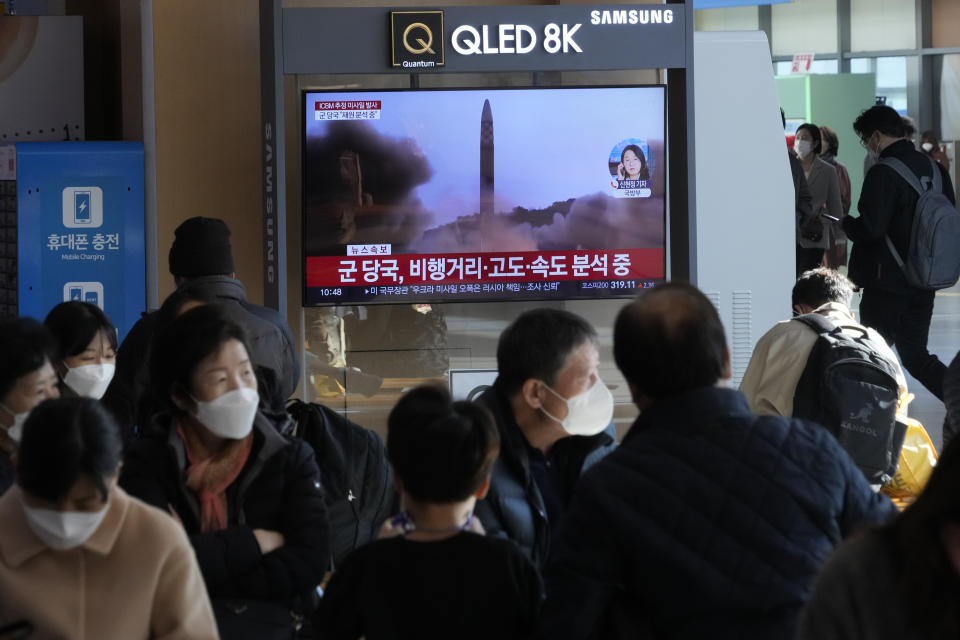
[{"x": 630, "y": 165}]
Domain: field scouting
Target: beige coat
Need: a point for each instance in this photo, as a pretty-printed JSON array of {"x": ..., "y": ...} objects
[
  {"x": 135, "y": 578},
  {"x": 781, "y": 355}
]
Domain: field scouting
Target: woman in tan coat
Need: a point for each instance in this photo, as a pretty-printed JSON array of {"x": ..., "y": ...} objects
[{"x": 79, "y": 558}]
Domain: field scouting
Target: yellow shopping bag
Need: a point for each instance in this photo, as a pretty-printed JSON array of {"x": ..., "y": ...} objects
[{"x": 918, "y": 457}]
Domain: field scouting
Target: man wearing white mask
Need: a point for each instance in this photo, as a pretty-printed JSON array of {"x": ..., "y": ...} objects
[
  {"x": 882, "y": 242},
  {"x": 554, "y": 414},
  {"x": 26, "y": 379},
  {"x": 86, "y": 348}
]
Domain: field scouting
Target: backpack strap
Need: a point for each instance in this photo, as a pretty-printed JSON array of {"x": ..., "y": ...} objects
[
  {"x": 825, "y": 326},
  {"x": 917, "y": 183},
  {"x": 937, "y": 180},
  {"x": 904, "y": 171},
  {"x": 821, "y": 324}
]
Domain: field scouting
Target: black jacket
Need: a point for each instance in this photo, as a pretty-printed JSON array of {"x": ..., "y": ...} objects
[
  {"x": 706, "y": 522},
  {"x": 274, "y": 352},
  {"x": 887, "y": 206},
  {"x": 356, "y": 476},
  {"x": 279, "y": 489},
  {"x": 514, "y": 507}
]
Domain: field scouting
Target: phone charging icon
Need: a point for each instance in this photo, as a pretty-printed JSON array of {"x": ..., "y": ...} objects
[{"x": 83, "y": 207}]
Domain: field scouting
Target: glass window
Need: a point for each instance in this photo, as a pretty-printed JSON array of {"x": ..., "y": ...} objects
[
  {"x": 878, "y": 25},
  {"x": 731, "y": 19},
  {"x": 804, "y": 26},
  {"x": 891, "y": 78}
]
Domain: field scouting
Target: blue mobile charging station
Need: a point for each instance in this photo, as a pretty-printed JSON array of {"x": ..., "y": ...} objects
[{"x": 80, "y": 228}]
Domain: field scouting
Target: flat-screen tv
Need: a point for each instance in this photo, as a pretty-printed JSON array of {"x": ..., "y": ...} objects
[{"x": 484, "y": 194}]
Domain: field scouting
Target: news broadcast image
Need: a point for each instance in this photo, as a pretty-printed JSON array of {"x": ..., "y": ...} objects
[{"x": 482, "y": 195}]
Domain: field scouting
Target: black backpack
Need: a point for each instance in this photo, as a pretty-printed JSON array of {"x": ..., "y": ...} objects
[
  {"x": 850, "y": 388},
  {"x": 355, "y": 473}
]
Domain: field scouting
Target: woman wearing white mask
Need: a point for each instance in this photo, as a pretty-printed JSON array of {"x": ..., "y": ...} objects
[
  {"x": 249, "y": 497},
  {"x": 930, "y": 145},
  {"x": 26, "y": 379},
  {"x": 824, "y": 187},
  {"x": 87, "y": 348},
  {"x": 79, "y": 558}
]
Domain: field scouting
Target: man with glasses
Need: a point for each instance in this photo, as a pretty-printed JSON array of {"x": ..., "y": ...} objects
[{"x": 900, "y": 312}]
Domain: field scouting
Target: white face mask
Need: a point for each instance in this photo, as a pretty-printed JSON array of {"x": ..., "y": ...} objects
[
  {"x": 15, "y": 431},
  {"x": 588, "y": 413},
  {"x": 927, "y": 146},
  {"x": 231, "y": 415},
  {"x": 803, "y": 147},
  {"x": 62, "y": 530},
  {"x": 90, "y": 380}
]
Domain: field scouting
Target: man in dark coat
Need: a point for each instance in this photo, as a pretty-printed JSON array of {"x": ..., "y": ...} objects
[
  {"x": 201, "y": 256},
  {"x": 554, "y": 416},
  {"x": 707, "y": 521},
  {"x": 898, "y": 311}
]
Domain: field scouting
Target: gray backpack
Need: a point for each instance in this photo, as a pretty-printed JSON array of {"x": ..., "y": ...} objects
[{"x": 933, "y": 255}]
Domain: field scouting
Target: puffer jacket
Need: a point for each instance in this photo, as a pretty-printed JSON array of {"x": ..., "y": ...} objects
[
  {"x": 706, "y": 522},
  {"x": 513, "y": 507},
  {"x": 278, "y": 489}
]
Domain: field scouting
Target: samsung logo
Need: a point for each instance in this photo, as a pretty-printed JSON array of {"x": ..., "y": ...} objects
[{"x": 632, "y": 16}]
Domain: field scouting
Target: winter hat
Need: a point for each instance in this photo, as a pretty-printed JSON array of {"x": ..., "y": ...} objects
[{"x": 201, "y": 247}]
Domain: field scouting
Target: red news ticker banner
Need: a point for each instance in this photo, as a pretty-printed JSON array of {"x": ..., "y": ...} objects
[{"x": 518, "y": 266}]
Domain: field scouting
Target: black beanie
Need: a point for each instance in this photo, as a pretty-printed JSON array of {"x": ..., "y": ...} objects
[{"x": 201, "y": 247}]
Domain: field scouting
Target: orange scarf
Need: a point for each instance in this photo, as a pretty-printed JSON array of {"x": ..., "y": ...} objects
[{"x": 209, "y": 474}]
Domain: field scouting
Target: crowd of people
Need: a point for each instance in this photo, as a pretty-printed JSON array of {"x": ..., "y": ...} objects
[{"x": 161, "y": 488}]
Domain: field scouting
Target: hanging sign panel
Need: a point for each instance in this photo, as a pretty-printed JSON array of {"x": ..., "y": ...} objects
[{"x": 485, "y": 39}]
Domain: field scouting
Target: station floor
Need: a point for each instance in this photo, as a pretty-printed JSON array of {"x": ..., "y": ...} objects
[{"x": 945, "y": 342}]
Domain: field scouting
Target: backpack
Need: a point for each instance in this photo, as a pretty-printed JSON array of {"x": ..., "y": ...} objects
[
  {"x": 355, "y": 473},
  {"x": 933, "y": 254},
  {"x": 850, "y": 388}
]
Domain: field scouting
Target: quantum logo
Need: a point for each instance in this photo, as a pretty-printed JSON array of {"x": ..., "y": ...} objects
[
  {"x": 416, "y": 39},
  {"x": 424, "y": 46}
]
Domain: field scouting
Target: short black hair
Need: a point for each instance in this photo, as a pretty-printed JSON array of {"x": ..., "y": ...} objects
[
  {"x": 170, "y": 309},
  {"x": 74, "y": 324},
  {"x": 536, "y": 345},
  {"x": 880, "y": 118},
  {"x": 63, "y": 440},
  {"x": 817, "y": 287},
  {"x": 179, "y": 348},
  {"x": 669, "y": 340},
  {"x": 25, "y": 346},
  {"x": 814, "y": 132},
  {"x": 441, "y": 450}
]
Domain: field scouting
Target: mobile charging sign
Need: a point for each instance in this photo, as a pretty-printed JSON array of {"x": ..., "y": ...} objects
[{"x": 80, "y": 228}]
